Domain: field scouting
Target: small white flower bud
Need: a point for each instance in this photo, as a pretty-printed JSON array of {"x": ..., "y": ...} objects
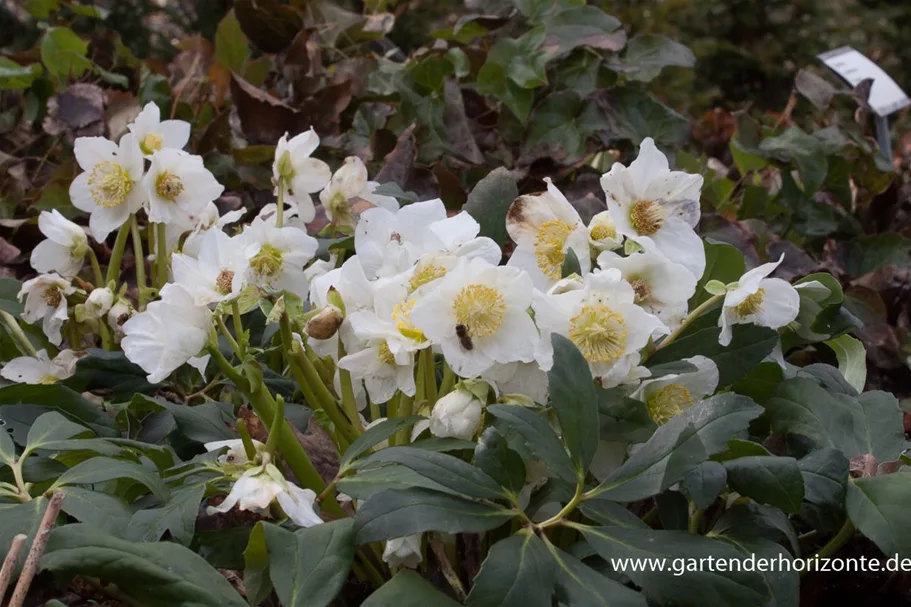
[{"x": 456, "y": 415}]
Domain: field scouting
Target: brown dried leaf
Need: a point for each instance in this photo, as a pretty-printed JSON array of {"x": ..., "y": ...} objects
[
  {"x": 398, "y": 163},
  {"x": 263, "y": 117},
  {"x": 269, "y": 25}
]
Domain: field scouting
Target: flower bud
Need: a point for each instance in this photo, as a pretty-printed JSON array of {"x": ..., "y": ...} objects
[
  {"x": 403, "y": 551},
  {"x": 119, "y": 313},
  {"x": 456, "y": 415},
  {"x": 325, "y": 324},
  {"x": 98, "y": 303}
]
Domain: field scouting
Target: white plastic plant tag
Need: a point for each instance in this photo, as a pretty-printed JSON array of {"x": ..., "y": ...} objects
[{"x": 886, "y": 97}]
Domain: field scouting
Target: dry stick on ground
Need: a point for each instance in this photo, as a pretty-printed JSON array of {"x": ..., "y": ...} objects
[
  {"x": 9, "y": 563},
  {"x": 436, "y": 544},
  {"x": 38, "y": 545}
]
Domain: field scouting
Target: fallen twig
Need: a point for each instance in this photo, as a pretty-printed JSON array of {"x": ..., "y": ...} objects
[
  {"x": 9, "y": 563},
  {"x": 38, "y": 545}
]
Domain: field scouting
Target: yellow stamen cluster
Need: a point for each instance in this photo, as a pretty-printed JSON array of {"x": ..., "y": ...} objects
[
  {"x": 168, "y": 186},
  {"x": 268, "y": 262},
  {"x": 385, "y": 354},
  {"x": 109, "y": 184},
  {"x": 427, "y": 274},
  {"x": 602, "y": 231},
  {"x": 599, "y": 333},
  {"x": 646, "y": 217},
  {"x": 401, "y": 314},
  {"x": 151, "y": 143},
  {"x": 481, "y": 309},
  {"x": 549, "y": 247},
  {"x": 752, "y": 304},
  {"x": 224, "y": 281},
  {"x": 668, "y": 402}
]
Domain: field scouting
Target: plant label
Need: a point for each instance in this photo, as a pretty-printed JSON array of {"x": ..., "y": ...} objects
[{"x": 886, "y": 97}]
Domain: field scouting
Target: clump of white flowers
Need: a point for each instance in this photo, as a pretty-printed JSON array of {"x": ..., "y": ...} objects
[{"x": 422, "y": 297}]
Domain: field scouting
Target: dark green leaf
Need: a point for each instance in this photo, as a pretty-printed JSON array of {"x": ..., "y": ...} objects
[
  {"x": 693, "y": 588},
  {"x": 493, "y": 456},
  {"x": 15, "y": 76},
  {"x": 705, "y": 483},
  {"x": 815, "y": 88},
  {"x": 71, "y": 403},
  {"x": 63, "y": 53},
  {"x": 109, "y": 370},
  {"x": 21, "y": 518},
  {"x": 443, "y": 469},
  {"x": 572, "y": 395},
  {"x": 679, "y": 446},
  {"x": 100, "y": 510},
  {"x": 606, "y": 512},
  {"x": 517, "y": 572},
  {"x": 310, "y": 566},
  {"x": 878, "y": 507},
  {"x": 749, "y": 521},
  {"x": 103, "y": 469},
  {"x": 635, "y": 115},
  {"x": 825, "y": 474},
  {"x": 231, "y": 50},
  {"x": 805, "y": 150},
  {"x": 492, "y": 80},
  {"x": 375, "y": 435},
  {"x": 538, "y": 436},
  {"x": 52, "y": 426},
  {"x": 768, "y": 479},
  {"x": 647, "y": 54},
  {"x": 177, "y": 516},
  {"x": 622, "y": 418},
  {"x": 570, "y": 264},
  {"x": 579, "y": 585},
  {"x": 723, "y": 262},
  {"x": 869, "y": 423},
  {"x": 256, "y": 566},
  {"x": 269, "y": 25},
  {"x": 202, "y": 423},
  {"x": 869, "y": 253},
  {"x": 158, "y": 574},
  {"x": 584, "y": 25},
  {"x": 489, "y": 201},
  {"x": 749, "y": 346},
  {"x": 391, "y": 514},
  {"x": 408, "y": 589}
]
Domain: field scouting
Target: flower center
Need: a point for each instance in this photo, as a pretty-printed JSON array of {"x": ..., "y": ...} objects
[
  {"x": 751, "y": 304},
  {"x": 599, "y": 333},
  {"x": 428, "y": 273},
  {"x": 401, "y": 314},
  {"x": 109, "y": 184},
  {"x": 52, "y": 296},
  {"x": 602, "y": 231},
  {"x": 385, "y": 354},
  {"x": 168, "y": 186},
  {"x": 549, "y": 246},
  {"x": 647, "y": 216},
  {"x": 224, "y": 283},
  {"x": 268, "y": 261},
  {"x": 396, "y": 237},
  {"x": 151, "y": 143},
  {"x": 641, "y": 290},
  {"x": 481, "y": 309},
  {"x": 669, "y": 401}
]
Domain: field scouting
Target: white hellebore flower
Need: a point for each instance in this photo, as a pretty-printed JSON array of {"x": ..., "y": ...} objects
[
  {"x": 661, "y": 286},
  {"x": 108, "y": 188},
  {"x": 201, "y": 222},
  {"x": 767, "y": 302},
  {"x": 179, "y": 187},
  {"x": 478, "y": 314},
  {"x": 65, "y": 248},
  {"x": 456, "y": 415},
  {"x": 40, "y": 369},
  {"x": 403, "y": 551},
  {"x": 602, "y": 233},
  {"x": 348, "y": 183},
  {"x": 669, "y": 395},
  {"x": 382, "y": 370},
  {"x": 601, "y": 318},
  {"x": 120, "y": 312},
  {"x": 657, "y": 207},
  {"x": 277, "y": 256},
  {"x": 217, "y": 274},
  {"x": 168, "y": 334},
  {"x": 45, "y": 300},
  {"x": 258, "y": 488},
  {"x": 544, "y": 227},
  {"x": 153, "y": 134},
  {"x": 236, "y": 454},
  {"x": 298, "y": 173},
  {"x": 97, "y": 304}
]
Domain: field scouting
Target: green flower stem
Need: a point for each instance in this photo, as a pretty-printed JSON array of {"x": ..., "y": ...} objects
[
  {"x": 392, "y": 411},
  {"x": 107, "y": 342},
  {"x": 275, "y": 427},
  {"x": 449, "y": 379},
  {"x": 567, "y": 509},
  {"x": 161, "y": 260},
  {"x": 24, "y": 495},
  {"x": 348, "y": 402},
  {"x": 374, "y": 411},
  {"x": 140, "y": 262},
  {"x": 150, "y": 235},
  {"x": 280, "y": 204},
  {"x": 405, "y": 408},
  {"x": 120, "y": 244},
  {"x": 325, "y": 374},
  {"x": 699, "y": 311},
  {"x": 833, "y": 545},
  {"x": 264, "y": 406},
  {"x": 231, "y": 341},
  {"x": 249, "y": 447},
  {"x": 97, "y": 276},
  {"x": 695, "y": 519},
  {"x": 430, "y": 377},
  {"x": 239, "y": 333},
  {"x": 310, "y": 383},
  {"x": 15, "y": 332}
]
